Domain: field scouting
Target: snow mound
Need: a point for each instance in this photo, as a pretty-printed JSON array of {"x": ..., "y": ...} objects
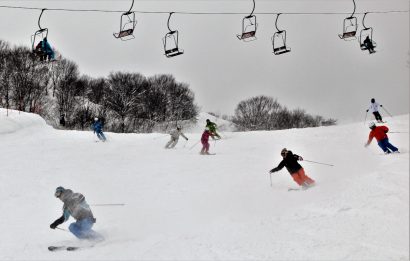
[
  {"x": 12, "y": 121},
  {"x": 223, "y": 125}
]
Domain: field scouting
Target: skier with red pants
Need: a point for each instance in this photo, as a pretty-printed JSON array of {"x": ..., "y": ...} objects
[
  {"x": 290, "y": 161},
  {"x": 380, "y": 134},
  {"x": 205, "y": 141}
]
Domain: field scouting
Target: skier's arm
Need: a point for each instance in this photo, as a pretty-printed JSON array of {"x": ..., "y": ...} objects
[
  {"x": 369, "y": 140},
  {"x": 57, "y": 222},
  {"x": 297, "y": 157},
  {"x": 279, "y": 167}
]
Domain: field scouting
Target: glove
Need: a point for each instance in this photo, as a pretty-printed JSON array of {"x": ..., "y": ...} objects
[
  {"x": 381, "y": 105},
  {"x": 272, "y": 170},
  {"x": 300, "y": 158},
  {"x": 367, "y": 110},
  {"x": 365, "y": 145},
  {"x": 54, "y": 225},
  {"x": 187, "y": 139}
]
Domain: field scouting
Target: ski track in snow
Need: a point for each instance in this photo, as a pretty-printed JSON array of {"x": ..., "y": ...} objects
[{"x": 180, "y": 205}]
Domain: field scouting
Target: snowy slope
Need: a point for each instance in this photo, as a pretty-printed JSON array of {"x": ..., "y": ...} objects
[{"x": 180, "y": 205}]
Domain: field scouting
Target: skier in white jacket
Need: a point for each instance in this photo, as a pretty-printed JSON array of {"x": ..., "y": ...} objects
[
  {"x": 374, "y": 108},
  {"x": 175, "y": 137}
]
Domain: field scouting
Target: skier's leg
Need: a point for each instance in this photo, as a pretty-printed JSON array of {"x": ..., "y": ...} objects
[
  {"x": 103, "y": 136},
  {"x": 168, "y": 144},
  {"x": 75, "y": 229},
  {"x": 82, "y": 228},
  {"x": 305, "y": 178},
  {"x": 383, "y": 146},
  {"x": 174, "y": 143},
  {"x": 375, "y": 115},
  {"x": 378, "y": 116},
  {"x": 207, "y": 147},
  {"x": 391, "y": 146},
  {"x": 297, "y": 178}
]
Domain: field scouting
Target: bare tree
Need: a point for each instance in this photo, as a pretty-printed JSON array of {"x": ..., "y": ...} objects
[{"x": 123, "y": 94}]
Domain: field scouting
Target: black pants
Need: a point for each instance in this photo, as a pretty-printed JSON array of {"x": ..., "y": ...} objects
[{"x": 377, "y": 116}]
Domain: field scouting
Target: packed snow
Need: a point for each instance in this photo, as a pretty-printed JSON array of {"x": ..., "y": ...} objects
[{"x": 179, "y": 205}]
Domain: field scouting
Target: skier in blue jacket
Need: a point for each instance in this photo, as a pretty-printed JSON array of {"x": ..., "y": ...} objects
[{"x": 97, "y": 127}]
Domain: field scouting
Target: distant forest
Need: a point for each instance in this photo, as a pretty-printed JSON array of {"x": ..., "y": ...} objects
[{"x": 126, "y": 102}]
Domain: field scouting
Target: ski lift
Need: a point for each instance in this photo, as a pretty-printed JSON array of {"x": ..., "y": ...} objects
[
  {"x": 127, "y": 25},
  {"x": 279, "y": 40},
  {"x": 37, "y": 45},
  {"x": 170, "y": 42},
  {"x": 249, "y": 26},
  {"x": 366, "y": 32},
  {"x": 349, "y": 26}
]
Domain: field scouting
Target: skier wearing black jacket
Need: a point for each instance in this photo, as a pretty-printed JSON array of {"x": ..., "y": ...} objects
[{"x": 290, "y": 161}]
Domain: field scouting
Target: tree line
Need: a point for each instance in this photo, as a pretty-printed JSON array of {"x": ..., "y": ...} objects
[
  {"x": 126, "y": 102},
  {"x": 266, "y": 113}
]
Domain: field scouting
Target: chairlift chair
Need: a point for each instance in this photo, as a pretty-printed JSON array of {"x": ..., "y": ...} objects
[
  {"x": 127, "y": 26},
  {"x": 349, "y": 29},
  {"x": 171, "y": 44},
  {"x": 170, "y": 41},
  {"x": 279, "y": 39},
  {"x": 37, "y": 37},
  {"x": 249, "y": 26},
  {"x": 279, "y": 43},
  {"x": 363, "y": 34}
]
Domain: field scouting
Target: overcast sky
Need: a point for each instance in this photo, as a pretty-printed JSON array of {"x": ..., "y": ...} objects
[{"x": 322, "y": 74}]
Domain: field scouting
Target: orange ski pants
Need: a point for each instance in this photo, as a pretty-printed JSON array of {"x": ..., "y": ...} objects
[{"x": 300, "y": 177}]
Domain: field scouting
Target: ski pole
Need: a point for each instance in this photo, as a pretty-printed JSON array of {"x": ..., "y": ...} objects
[
  {"x": 319, "y": 163},
  {"x": 62, "y": 229},
  {"x": 398, "y": 132},
  {"x": 365, "y": 117},
  {"x": 108, "y": 204},
  {"x": 194, "y": 145},
  {"x": 270, "y": 175},
  {"x": 387, "y": 112}
]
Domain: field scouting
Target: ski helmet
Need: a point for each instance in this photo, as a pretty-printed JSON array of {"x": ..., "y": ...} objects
[
  {"x": 372, "y": 125},
  {"x": 58, "y": 192},
  {"x": 283, "y": 152},
  {"x": 96, "y": 119},
  {"x": 372, "y": 100}
]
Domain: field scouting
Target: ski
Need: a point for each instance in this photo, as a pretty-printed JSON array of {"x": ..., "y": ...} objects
[
  {"x": 68, "y": 248},
  {"x": 56, "y": 248}
]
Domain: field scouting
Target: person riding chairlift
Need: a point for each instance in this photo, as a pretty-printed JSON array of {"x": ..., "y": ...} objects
[{"x": 44, "y": 51}]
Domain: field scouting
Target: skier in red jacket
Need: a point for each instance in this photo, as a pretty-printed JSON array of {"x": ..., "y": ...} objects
[{"x": 380, "y": 133}]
